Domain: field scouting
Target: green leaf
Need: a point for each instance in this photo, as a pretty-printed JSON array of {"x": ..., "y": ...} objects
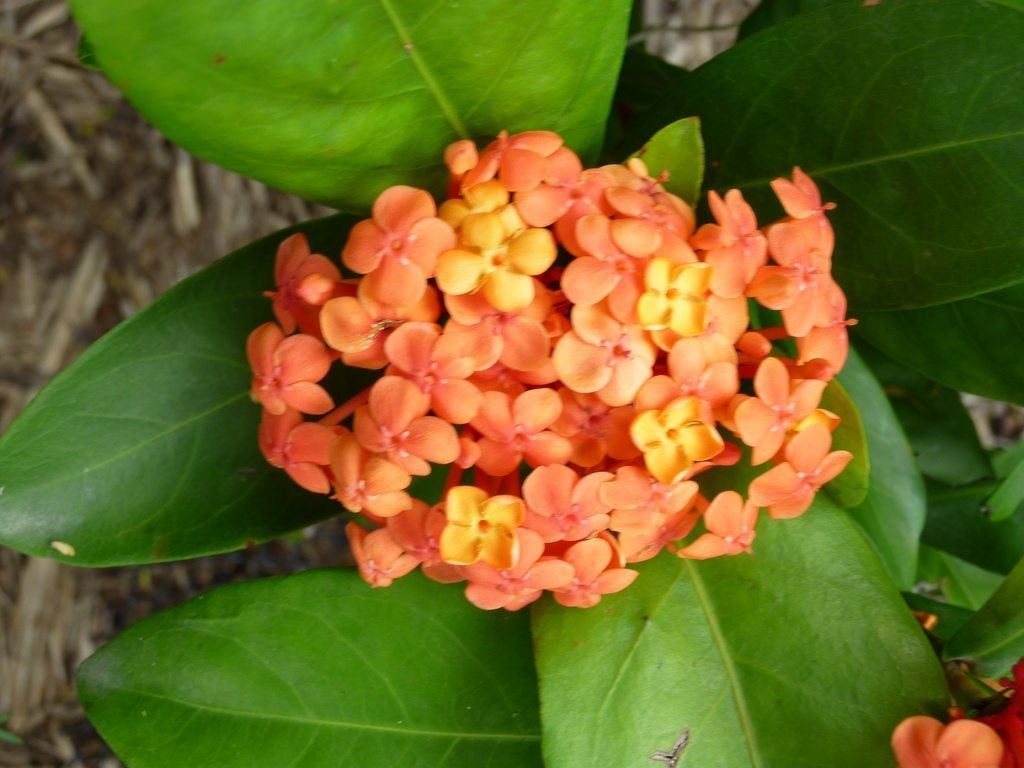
[
  {"x": 929, "y": 199},
  {"x": 679, "y": 149},
  {"x": 86, "y": 55},
  {"x": 335, "y": 101},
  {"x": 893, "y": 513},
  {"x": 770, "y": 12},
  {"x": 643, "y": 81},
  {"x": 851, "y": 487},
  {"x": 957, "y": 523},
  {"x": 750, "y": 653},
  {"x": 317, "y": 670},
  {"x": 993, "y": 639},
  {"x": 943, "y": 436},
  {"x": 962, "y": 583},
  {"x": 971, "y": 345},
  {"x": 145, "y": 449},
  {"x": 1007, "y": 497}
]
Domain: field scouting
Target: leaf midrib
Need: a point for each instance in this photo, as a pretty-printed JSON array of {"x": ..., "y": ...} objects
[
  {"x": 447, "y": 108},
  {"x": 738, "y": 696},
  {"x": 879, "y": 159},
  {"x": 133, "y": 448},
  {"x": 326, "y": 723}
]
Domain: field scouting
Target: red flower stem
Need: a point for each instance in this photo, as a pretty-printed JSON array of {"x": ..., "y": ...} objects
[
  {"x": 776, "y": 333},
  {"x": 346, "y": 409},
  {"x": 453, "y": 479},
  {"x": 747, "y": 371},
  {"x": 511, "y": 484},
  {"x": 485, "y": 482}
]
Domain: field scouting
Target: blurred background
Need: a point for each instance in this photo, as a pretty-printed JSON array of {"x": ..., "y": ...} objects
[{"x": 99, "y": 214}]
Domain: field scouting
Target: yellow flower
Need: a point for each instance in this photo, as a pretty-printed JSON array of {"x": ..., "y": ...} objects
[
  {"x": 674, "y": 438},
  {"x": 675, "y": 297},
  {"x": 480, "y": 527},
  {"x": 499, "y": 261}
]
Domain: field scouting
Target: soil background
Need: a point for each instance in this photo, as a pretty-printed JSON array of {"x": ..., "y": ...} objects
[{"x": 99, "y": 214}]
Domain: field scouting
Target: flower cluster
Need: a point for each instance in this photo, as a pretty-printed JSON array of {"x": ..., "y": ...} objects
[
  {"x": 576, "y": 350},
  {"x": 989, "y": 741}
]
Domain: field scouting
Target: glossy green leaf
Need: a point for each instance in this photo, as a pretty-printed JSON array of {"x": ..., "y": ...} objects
[
  {"x": 643, "y": 81},
  {"x": 940, "y": 429},
  {"x": 971, "y": 345},
  {"x": 678, "y": 149},
  {"x": 851, "y": 487},
  {"x": 318, "y": 670},
  {"x": 957, "y": 523},
  {"x": 144, "y": 449},
  {"x": 962, "y": 583},
  {"x": 893, "y": 512},
  {"x": 800, "y": 654},
  {"x": 993, "y": 639},
  {"x": 770, "y": 12},
  {"x": 335, "y": 101},
  {"x": 928, "y": 198},
  {"x": 1008, "y": 495}
]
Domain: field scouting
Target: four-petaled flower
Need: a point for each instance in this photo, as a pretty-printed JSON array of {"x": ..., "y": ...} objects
[
  {"x": 397, "y": 249},
  {"x": 788, "y": 489},
  {"x": 675, "y": 438},
  {"x": 481, "y": 527}
]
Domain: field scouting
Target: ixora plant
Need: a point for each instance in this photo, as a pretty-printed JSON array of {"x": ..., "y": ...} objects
[{"x": 549, "y": 363}]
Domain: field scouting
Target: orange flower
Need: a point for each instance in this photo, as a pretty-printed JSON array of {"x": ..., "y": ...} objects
[
  {"x": 359, "y": 327},
  {"x": 636, "y": 194},
  {"x": 802, "y": 285},
  {"x": 367, "y": 483},
  {"x": 788, "y": 489},
  {"x": 519, "y": 161},
  {"x": 379, "y": 558},
  {"x": 481, "y": 527},
  {"x": 517, "y": 430},
  {"x": 286, "y": 371},
  {"x": 691, "y": 374},
  {"x": 593, "y": 577},
  {"x": 613, "y": 264},
  {"x": 562, "y": 506},
  {"x": 492, "y": 258},
  {"x": 602, "y": 355},
  {"x": 588, "y": 197},
  {"x": 542, "y": 205},
  {"x": 635, "y": 493},
  {"x": 394, "y": 423},
  {"x": 801, "y": 199},
  {"x": 730, "y": 522},
  {"x": 516, "y": 338},
  {"x": 924, "y": 742},
  {"x": 676, "y": 437},
  {"x": 302, "y": 449},
  {"x": 418, "y": 531},
  {"x": 762, "y": 421},
  {"x": 595, "y": 429},
  {"x": 397, "y": 249},
  {"x": 435, "y": 362},
  {"x": 734, "y": 247},
  {"x": 830, "y": 342},
  {"x": 514, "y": 587},
  {"x": 304, "y": 282}
]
